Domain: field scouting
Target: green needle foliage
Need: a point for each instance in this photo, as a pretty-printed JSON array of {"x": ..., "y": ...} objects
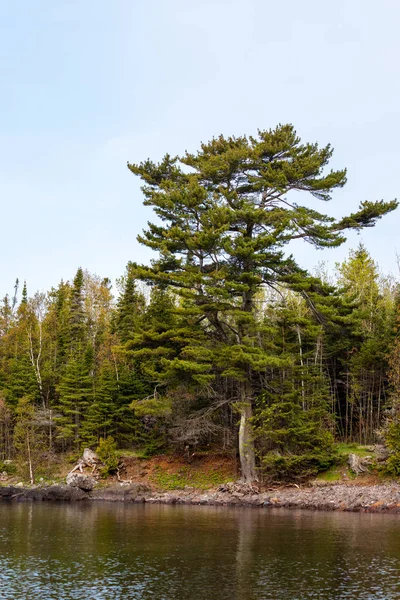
[
  {"x": 29, "y": 440},
  {"x": 223, "y": 342},
  {"x": 292, "y": 423},
  {"x": 225, "y": 218}
]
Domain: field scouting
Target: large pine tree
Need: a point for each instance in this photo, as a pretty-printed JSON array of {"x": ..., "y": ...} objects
[{"x": 226, "y": 216}]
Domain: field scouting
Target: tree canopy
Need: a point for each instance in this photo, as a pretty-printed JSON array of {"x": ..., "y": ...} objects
[
  {"x": 224, "y": 343},
  {"x": 225, "y": 218}
]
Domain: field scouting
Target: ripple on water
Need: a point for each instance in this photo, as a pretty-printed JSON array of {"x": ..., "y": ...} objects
[{"x": 114, "y": 552}]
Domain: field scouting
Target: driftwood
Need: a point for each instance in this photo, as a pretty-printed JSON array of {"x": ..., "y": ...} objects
[
  {"x": 359, "y": 464},
  {"x": 122, "y": 480},
  {"x": 89, "y": 460}
]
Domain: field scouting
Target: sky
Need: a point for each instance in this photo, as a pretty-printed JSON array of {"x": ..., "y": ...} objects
[{"x": 87, "y": 86}]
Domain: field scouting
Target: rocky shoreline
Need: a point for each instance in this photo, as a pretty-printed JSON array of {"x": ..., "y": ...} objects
[{"x": 343, "y": 497}]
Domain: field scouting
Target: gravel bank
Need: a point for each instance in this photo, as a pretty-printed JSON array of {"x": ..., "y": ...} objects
[{"x": 344, "y": 497}]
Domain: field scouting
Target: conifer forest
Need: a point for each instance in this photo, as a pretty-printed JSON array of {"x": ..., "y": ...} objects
[{"x": 224, "y": 341}]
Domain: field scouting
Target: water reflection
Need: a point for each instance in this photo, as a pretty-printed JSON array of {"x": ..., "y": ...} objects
[{"x": 113, "y": 551}]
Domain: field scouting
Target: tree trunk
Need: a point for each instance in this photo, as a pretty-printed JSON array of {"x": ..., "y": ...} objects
[
  {"x": 31, "y": 476},
  {"x": 303, "y": 394},
  {"x": 246, "y": 441},
  {"x": 246, "y": 444}
]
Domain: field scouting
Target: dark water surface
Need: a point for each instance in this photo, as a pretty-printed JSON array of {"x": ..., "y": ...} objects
[{"x": 110, "y": 551}]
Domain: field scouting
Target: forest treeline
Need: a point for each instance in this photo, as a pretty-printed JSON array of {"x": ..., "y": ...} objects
[{"x": 223, "y": 342}]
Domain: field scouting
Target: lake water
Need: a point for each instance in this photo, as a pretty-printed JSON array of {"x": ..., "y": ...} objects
[{"x": 148, "y": 552}]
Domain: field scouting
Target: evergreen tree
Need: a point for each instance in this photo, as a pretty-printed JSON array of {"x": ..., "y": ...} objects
[
  {"x": 77, "y": 312},
  {"x": 6, "y": 430},
  {"x": 371, "y": 323},
  {"x": 5, "y": 315},
  {"x": 141, "y": 372},
  {"x": 130, "y": 308},
  {"x": 19, "y": 374},
  {"x": 391, "y": 427},
  {"x": 75, "y": 386},
  {"x": 59, "y": 314},
  {"x": 75, "y": 397},
  {"x": 292, "y": 422},
  {"x": 28, "y": 439},
  {"x": 24, "y": 299},
  {"x": 226, "y": 218}
]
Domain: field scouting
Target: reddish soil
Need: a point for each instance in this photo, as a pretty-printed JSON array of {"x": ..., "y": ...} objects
[{"x": 143, "y": 470}]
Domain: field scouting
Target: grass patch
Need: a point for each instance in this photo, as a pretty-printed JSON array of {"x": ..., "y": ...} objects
[
  {"x": 332, "y": 474},
  {"x": 340, "y": 470},
  {"x": 202, "y": 480},
  {"x": 346, "y": 449},
  {"x": 8, "y": 468},
  {"x": 130, "y": 453}
]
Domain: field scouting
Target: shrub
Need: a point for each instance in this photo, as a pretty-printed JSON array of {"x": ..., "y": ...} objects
[
  {"x": 286, "y": 466},
  {"x": 107, "y": 452},
  {"x": 9, "y": 468}
]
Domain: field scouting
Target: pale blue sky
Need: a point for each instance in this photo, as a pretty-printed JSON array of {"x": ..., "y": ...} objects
[{"x": 88, "y": 85}]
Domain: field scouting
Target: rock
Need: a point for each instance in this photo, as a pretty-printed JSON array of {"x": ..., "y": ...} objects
[
  {"x": 203, "y": 499},
  {"x": 19, "y": 484},
  {"x": 381, "y": 452},
  {"x": 83, "y": 482},
  {"x": 118, "y": 492},
  {"x": 238, "y": 495},
  {"x": 134, "y": 491},
  {"x": 237, "y": 487},
  {"x": 9, "y": 491},
  {"x": 53, "y": 492},
  {"x": 321, "y": 483},
  {"x": 256, "y": 500},
  {"x": 56, "y": 492}
]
